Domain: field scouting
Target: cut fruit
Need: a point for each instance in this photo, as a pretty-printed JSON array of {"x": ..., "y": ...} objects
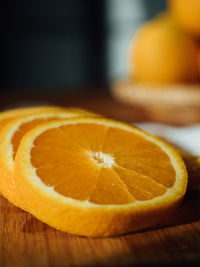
[
  {"x": 10, "y": 137},
  {"x": 98, "y": 177},
  {"x": 8, "y": 115}
]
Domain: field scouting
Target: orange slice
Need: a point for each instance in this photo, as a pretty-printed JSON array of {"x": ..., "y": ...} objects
[
  {"x": 8, "y": 115},
  {"x": 10, "y": 137},
  {"x": 98, "y": 177}
]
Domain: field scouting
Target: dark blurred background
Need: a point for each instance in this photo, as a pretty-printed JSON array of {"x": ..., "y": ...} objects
[{"x": 63, "y": 45}]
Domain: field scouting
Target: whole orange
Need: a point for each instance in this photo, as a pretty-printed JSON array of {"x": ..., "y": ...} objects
[
  {"x": 162, "y": 52},
  {"x": 187, "y": 14}
]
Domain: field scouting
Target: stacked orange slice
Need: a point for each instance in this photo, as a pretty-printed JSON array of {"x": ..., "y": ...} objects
[
  {"x": 8, "y": 115},
  {"x": 13, "y": 131},
  {"x": 89, "y": 175}
]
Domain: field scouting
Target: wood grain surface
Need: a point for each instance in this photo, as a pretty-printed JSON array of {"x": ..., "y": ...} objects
[{"x": 27, "y": 242}]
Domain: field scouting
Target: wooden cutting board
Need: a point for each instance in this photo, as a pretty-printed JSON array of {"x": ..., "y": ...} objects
[{"x": 27, "y": 242}]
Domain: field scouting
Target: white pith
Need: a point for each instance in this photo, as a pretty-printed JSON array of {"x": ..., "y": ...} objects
[{"x": 104, "y": 160}]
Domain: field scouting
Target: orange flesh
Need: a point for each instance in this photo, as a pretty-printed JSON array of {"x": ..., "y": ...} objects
[
  {"x": 23, "y": 129},
  {"x": 27, "y": 126},
  {"x": 67, "y": 159}
]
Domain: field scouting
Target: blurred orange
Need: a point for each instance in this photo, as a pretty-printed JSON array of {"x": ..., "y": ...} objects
[
  {"x": 162, "y": 52},
  {"x": 187, "y": 14}
]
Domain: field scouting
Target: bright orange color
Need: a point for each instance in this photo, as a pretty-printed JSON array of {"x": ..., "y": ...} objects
[
  {"x": 162, "y": 52},
  {"x": 8, "y": 115},
  {"x": 187, "y": 15},
  {"x": 10, "y": 138},
  {"x": 97, "y": 177},
  {"x": 129, "y": 155}
]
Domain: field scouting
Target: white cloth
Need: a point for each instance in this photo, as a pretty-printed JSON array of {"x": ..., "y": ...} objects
[{"x": 187, "y": 137}]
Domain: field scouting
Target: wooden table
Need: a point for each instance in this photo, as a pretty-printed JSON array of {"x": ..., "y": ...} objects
[{"x": 27, "y": 242}]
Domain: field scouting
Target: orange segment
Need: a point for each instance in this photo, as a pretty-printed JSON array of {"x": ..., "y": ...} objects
[
  {"x": 110, "y": 189},
  {"x": 76, "y": 134},
  {"x": 95, "y": 134},
  {"x": 22, "y": 129},
  {"x": 118, "y": 140},
  {"x": 101, "y": 183},
  {"x": 140, "y": 186},
  {"x": 151, "y": 168}
]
